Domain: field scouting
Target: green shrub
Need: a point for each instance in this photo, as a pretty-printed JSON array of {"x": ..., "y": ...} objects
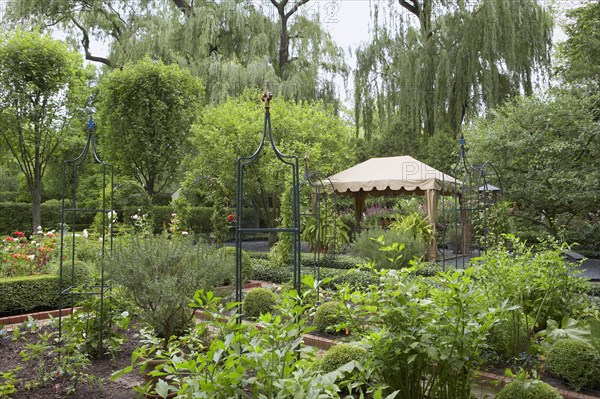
[
  {"x": 247, "y": 266},
  {"x": 528, "y": 389},
  {"x": 356, "y": 278},
  {"x": 328, "y": 316},
  {"x": 573, "y": 361},
  {"x": 28, "y": 292},
  {"x": 366, "y": 247},
  {"x": 162, "y": 273},
  {"x": 258, "y": 301},
  {"x": 537, "y": 279},
  {"x": 83, "y": 273},
  {"x": 594, "y": 290},
  {"x": 339, "y": 355},
  {"x": 8, "y": 196}
]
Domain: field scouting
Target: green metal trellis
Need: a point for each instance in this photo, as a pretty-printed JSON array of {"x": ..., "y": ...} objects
[{"x": 294, "y": 229}]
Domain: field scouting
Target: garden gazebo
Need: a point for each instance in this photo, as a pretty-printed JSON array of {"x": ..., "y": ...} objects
[{"x": 394, "y": 176}]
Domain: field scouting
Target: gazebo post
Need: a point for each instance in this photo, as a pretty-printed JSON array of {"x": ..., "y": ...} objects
[
  {"x": 431, "y": 204},
  {"x": 359, "y": 205}
]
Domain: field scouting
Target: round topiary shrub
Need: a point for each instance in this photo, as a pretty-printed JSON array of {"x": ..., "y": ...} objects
[
  {"x": 247, "y": 267},
  {"x": 528, "y": 389},
  {"x": 258, "y": 301},
  {"x": 573, "y": 361},
  {"x": 338, "y": 355},
  {"x": 328, "y": 315}
]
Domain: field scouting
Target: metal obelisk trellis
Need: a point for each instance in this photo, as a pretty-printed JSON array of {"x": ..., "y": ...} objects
[
  {"x": 294, "y": 229},
  {"x": 70, "y": 212},
  {"x": 317, "y": 181},
  {"x": 471, "y": 200}
]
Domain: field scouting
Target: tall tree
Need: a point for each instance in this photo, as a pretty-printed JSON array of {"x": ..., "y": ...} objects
[
  {"x": 440, "y": 63},
  {"x": 547, "y": 152},
  {"x": 43, "y": 87},
  {"x": 581, "y": 51},
  {"x": 146, "y": 111},
  {"x": 230, "y": 45}
]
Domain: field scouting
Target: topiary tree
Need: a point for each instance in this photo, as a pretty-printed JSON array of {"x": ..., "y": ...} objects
[
  {"x": 574, "y": 361},
  {"x": 528, "y": 389},
  {"x": 258, "y": 301},
  {"x": 328, "y": 316},
  {"x": 339, "y": 355},
  {"x": 146, "y": 111}
]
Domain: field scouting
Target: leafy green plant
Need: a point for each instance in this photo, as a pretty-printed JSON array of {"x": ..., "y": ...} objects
[
  {"x": 258, "y": 301},
  {"x": 368, "y": 244},
  {"x": 329, "y": 316},
  {"x": 339, "y": 355},
  {"x": 432, "y": 335},
  {"x": 97, "y": 339},
  {"x": 8, "y": 380},
  {"x": 568, "y": 329},
  {"x": 537, "y": 279},
  {"x": 161, "y": 274},
  {"x": 511, "y": 335},
  {"x": 574, "y": 361},
  {"x": 65, "y": 365},
  {"x": 331, "y": 234},
  {"x": 417, "y": 225}
]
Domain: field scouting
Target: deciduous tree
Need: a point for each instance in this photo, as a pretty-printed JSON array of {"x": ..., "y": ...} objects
[
  {"x": 442, "y": 62},
  {"x": 43, "y": 89},
  {"x": 146, "y": 111}
]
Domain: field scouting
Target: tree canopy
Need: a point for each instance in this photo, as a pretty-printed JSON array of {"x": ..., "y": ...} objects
[
  {"x": 230, "y": 45},
  {"x": 43, "y": 92},
  {"x": 234, "y": 129},
  {"x": 145, "y": 114},
  {"x": 547, "y": 152},
  {"x": 440, "y": 63}
]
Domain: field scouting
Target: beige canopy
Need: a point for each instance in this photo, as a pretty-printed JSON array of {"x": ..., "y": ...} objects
[{"x": 393, "y": 176}]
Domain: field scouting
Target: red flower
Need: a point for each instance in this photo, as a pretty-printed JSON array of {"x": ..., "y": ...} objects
[
  {"x": 16, "y": 256},
  {"x": 231, "y": 218},
  {"x": 9, "y": 239},
  {"x": 18, "y": 234}
]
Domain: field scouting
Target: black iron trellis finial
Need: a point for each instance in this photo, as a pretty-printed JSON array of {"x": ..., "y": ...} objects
[{"x": 294, "y": 229}]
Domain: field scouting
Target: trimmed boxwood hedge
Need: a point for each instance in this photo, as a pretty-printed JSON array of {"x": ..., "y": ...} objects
[
  {"x": 17, "y": 216},
  {"x": 356, "y": 278},
  {"x": 28, "y": 292}
]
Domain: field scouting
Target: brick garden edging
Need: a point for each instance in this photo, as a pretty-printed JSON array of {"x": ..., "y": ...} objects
[{"x": 18, "y": 319}]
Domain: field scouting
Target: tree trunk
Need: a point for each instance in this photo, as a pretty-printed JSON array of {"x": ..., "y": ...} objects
[
  {"x": 36, "y": 200},
  {"x": 284, "y": 46}
]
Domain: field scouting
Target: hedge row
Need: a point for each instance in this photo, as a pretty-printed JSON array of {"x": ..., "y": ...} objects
[
  {"x": 28, "y": 292},
  {"x": 344, "y": 262},
  {"x": 356, "y": 278},
  {"x": 17, "y": 216}
]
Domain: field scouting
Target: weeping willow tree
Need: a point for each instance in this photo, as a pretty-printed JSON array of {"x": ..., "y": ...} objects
[
  {"x": 433, "y": 64},
  {"x": 230, "y": 44}
]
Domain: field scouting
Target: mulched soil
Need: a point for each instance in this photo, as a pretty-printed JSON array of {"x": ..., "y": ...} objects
[{"x": 101, "y": 368}]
